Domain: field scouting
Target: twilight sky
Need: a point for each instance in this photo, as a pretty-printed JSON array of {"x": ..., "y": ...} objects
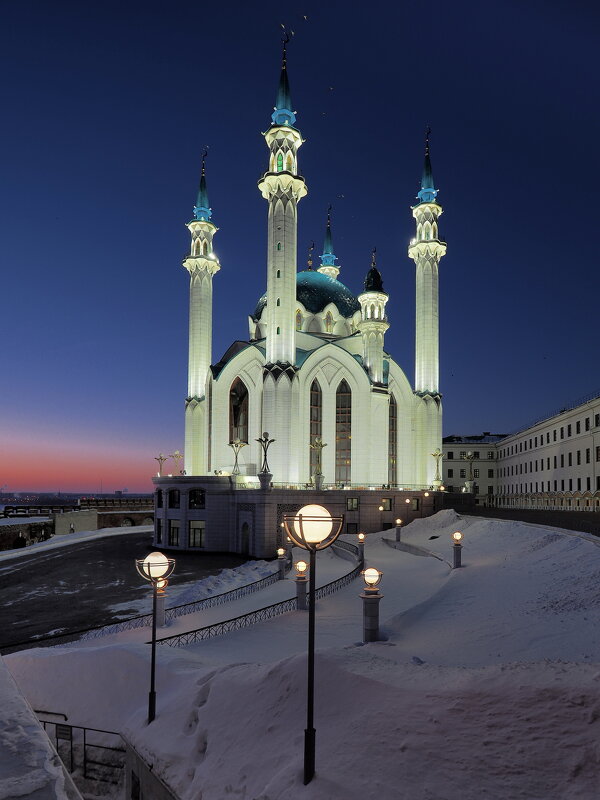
[{"x": 106, "y": 109}]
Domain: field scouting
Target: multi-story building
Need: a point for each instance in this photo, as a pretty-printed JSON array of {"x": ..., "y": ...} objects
[
  {"x": 472, "y": 458},
  {"x": 554, "y": 463}
]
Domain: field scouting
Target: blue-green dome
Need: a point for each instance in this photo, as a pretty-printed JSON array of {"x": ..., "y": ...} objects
[{"x": 315, "y": 291}]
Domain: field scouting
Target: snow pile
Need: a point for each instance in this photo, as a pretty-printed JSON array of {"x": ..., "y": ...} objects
[
  {"x": 225, "y": 581},
  {"x": 488, "y": 684}
]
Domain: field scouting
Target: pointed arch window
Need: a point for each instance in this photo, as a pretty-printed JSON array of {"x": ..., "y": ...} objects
[
  {"x": 238, "y": 411},
  {"x": 279, "y": 248},
  {"x": 278, "y": 301},
  {"x": 289, "y": 163},
  {"x": 393, "y": 441},
  {"x": 279, "y": 162},
  {"x": 298, "y": 320},
  {"x": 343, "y": 433},
  {"x": 316, "y": 421},
  {"x": 197, "y": 249},
  {"x": 328, "y": 322}
]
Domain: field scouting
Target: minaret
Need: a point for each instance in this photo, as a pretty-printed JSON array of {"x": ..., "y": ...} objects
[
  {"x": 426, "y": 250},
  {"x": 202, "y": 264},
  {"x": 328, "y": 258},
  {"x": 373, "y": 322},
  {"x": 282, "y": 187}
]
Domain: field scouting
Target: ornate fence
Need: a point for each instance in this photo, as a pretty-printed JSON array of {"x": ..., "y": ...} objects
[{"x": 262, "y": 614}]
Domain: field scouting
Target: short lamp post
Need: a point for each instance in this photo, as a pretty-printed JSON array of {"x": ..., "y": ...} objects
[
  {"x": 361, "y": 547},
  {"x": 371, "y": 599},
  {"x": 457, "y": 550},
  {"x": 281, "y": 561},
  {"x": 155, "y": 568},
  {"x": 312, "y": 528},
  {"x": 398, "y": 529},
  {"x": 301, "y": 582}
]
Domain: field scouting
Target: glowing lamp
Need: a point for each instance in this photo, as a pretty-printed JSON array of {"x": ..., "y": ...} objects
[
  {"x": 301, "y": 567},
  {"x": 457, "y": 537},
  {"x": 371, "y": 577},
  {"x": 426, "y": 494},
  {"x": 398, "y": 522},
  {"x": 313, "y": 527},
  {"x": 442, "y": 488},
  {"x": 155, "y": 566},
  {"x": 381, "y": 508},
  {"x": 361, "y": 537},
  {"x": 280, "y": 552},
  {"x": 407, "y": 501}
]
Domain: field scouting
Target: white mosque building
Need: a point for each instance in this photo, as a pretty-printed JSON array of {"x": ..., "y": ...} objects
[{"x": 314, "y": 374}]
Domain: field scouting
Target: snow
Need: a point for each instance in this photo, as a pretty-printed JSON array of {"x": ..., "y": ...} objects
[{"x": 487, "y": 684}]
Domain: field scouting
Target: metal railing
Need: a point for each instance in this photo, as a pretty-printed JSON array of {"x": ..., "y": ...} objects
[{"x": 262, "y": 614}]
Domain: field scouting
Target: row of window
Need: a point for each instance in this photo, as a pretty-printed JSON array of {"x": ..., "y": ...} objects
[
  {"x": 385, "y": 504},
  {"x": 475, "y": 453},
  {"x": 463, "y": 473},
  {"x": 195, "y": 533},
  {"x": 569, "y": 484},
  {"x": 556, "y": 433},
  {"x": 558, "y": 460},
  {"x": 196, "y": 498}
]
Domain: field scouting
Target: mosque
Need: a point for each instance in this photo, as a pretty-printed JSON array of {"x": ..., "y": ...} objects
[{"x": 314, "y": 377}]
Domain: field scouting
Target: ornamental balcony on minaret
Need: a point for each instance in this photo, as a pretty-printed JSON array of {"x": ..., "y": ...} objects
[
  {"x": 426, "y": 250},
  {"x": 373, "y": 322},
  {"x": 283, "y": 188}
]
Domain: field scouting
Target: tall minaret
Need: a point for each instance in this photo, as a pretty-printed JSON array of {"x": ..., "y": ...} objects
[
  {"x": 282, "y": 187},
  {"x": 202, "y": 264},
  {"x": 328, "y": 258},
  {"x": 426, "y": 250},
  {"x": 373, "y": 322}
]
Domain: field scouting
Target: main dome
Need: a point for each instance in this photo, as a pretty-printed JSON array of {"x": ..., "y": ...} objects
[{"x": 315, "y": 291}]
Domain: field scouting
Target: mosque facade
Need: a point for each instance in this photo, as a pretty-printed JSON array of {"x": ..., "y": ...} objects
[{"x": 314, "y": 375}]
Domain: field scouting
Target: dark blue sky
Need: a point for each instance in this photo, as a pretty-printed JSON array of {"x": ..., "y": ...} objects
[{"x": 106, "y": 110}]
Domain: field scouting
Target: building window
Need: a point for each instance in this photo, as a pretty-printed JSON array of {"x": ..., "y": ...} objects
[
  {"x": 279, "y": 162},
  {"x": 392, "y": 441},
  {"x": 279, "y": 248},
  {"x": 579, "y": 456},
  {"x": 597, "y": 420},
  {"x": 343, "y": 433},
  {"x": 463, "y": 473},
  {"x": 568, "y": 430},
  {"x": 490, "y": 490},
  {"x": 158, "y": 524},
  {"x": 386, "y": 503},
  {"x": 238, "y": 410},
  {"x": 278, "y": 330},
  {"x": 570, "y": 459},
  {"x": 298, "y": 320},
  {"x": 352, "y": 504},
  {"x": 476, "y": 454},
  {"x": 415, "y": 504},
  {"x": 450, "y": 455},
  {"x": 548, "y": 437},
  {"x": 450, "y": 473},
  {"x": 578, "y": 484},
  {"x": 562, "y": 459},
  {"x": 490, "y": 473},
  {"x": 587, "y": 423},
  {"x": 352, "y": 528},
  {"x": 462, "y": 454},
  {"x": 562, "y": 433},
  {"x": 562, "y": 485},
  {"x": 450, "y": 488},
  {"x": 173, "y": 533},
  {"x": 490, "y": 454},
  {"x": 597, "y": 453},
  {"x": 278, "y": 303},
  {"x": 588, "y": 484},
  {"x": 554, "y": 434},
  {"x": 174, "y": 498},
  {"x": 570, "y": 484},
  {"x": 196, "y": 533},
  {"x": 588, "y": 454},
  {"x": 328, "y": 322},
  {"x": 159, "y": 498},
  {"x": 196, "y": 498},
  {"x": 578, "y": 427},
  {"x": 316, "y": 422},
  {"x": 475, "y": 473}
]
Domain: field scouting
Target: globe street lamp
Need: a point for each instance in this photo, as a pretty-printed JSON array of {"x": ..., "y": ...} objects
[
  {"x": 301, "y": 581},
  {"x": 312, "y": 528},
  {"x": 371, "y": 599},
  {"x": 457, "y": 549},
  {"x": 155, "y": 568},
  {"x": 361, "y": 547},
  {"x": 398, "y": 529}
]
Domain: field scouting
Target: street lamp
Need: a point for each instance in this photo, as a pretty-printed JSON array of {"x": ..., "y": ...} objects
[
  {"x": 301, "y": 581},
  {"x": 281, "y": 562},
  {"x": 371, "y": 599},
  {"x": 155, "y": 568},
  {"x": 457, "y": 549},
  {"x": 312, "y": 528},
  {"x": 361, "y": 547},
  {"x": 398, "y": 529}
]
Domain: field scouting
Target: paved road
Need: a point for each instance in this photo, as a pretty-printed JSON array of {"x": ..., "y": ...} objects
[{"x": 74, "y": 587}]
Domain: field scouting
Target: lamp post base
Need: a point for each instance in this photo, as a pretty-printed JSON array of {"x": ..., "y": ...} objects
[
  {"x": 309, "y": 754},
  {"x": 151, "y": 706}
]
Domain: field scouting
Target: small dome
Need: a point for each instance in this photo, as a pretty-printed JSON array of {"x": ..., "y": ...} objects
[{"x": 315, "y": 291}]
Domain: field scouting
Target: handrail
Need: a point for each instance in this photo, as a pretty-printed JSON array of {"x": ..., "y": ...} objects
[{"x": 260, "y": 615}]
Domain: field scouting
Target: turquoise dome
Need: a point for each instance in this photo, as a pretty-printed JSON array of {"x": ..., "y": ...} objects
[{"x": 315, "y": 291}]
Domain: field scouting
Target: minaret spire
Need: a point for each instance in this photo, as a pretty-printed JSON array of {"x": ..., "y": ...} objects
[
  {"x": 328, "y": 258},
  {"x": 283, "y": 113},
  {"x": 373, "y": 321},
  {"x": 428, "y": 191},
  {"x": 202, "y": 264}
]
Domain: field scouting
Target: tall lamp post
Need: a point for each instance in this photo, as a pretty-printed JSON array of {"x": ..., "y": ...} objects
[
  {"x": 155, "y": 568},
  {"x": 312, "y": 528}
]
